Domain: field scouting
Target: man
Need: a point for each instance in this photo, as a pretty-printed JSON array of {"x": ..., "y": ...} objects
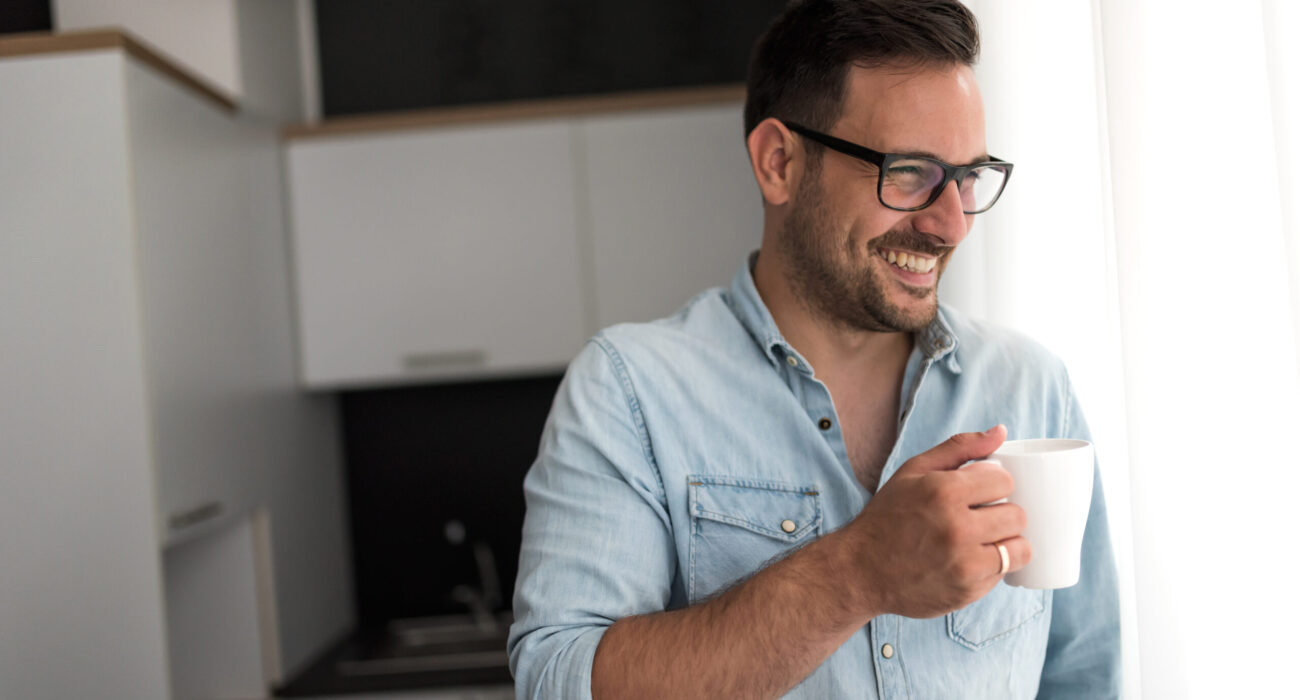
[{"x": 746, "y": 499}]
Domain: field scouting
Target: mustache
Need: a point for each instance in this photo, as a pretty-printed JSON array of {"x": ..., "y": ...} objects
[{"x": 911, "y": 240}]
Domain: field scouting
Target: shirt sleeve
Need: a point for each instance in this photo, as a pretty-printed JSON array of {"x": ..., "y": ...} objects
[
  {"x": 1083, "y": 646},
  {"x": 597, "y": 544}
]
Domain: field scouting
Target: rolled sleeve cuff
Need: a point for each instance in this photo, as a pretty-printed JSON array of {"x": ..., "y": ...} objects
[{"x": 566, "y": 673}]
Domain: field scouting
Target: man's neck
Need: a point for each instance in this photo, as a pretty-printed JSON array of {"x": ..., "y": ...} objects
[{"x": 833, "y": 349}]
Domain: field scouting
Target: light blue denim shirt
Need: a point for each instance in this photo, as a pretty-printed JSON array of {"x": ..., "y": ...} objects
[{"x": 675, "y": 450}]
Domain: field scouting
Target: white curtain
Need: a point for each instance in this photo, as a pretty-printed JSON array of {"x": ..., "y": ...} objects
[{"x": 1151, "y": 237}]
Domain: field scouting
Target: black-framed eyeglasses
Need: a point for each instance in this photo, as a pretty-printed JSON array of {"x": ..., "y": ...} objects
[{"x": 911, "y": 182}]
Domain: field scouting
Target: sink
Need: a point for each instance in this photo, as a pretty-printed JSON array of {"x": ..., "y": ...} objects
[
  {"x": 439, "y": 643},
  {"x": 428, "y": 652}
]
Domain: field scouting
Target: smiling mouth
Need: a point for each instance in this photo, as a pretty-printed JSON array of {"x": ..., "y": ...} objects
[{"x": 914, "y": 263}]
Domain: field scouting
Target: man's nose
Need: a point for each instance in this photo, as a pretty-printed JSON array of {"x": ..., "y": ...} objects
[{"x": 945, "y": 218}]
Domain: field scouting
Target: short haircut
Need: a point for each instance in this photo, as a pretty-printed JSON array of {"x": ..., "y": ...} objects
[{"x": 798, "y": 67}]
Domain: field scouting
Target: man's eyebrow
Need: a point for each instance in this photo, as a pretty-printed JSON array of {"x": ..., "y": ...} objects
[{"x": 927, "y": 154}]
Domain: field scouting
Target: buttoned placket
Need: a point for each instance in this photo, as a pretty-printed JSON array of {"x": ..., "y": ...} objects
[
  {"x": 887, "y": 657},
  {"x": 815, "y": 397},
  {"x": 883, "y": 631},
  {"x": 929, "y": 350},
  {"x": 817, "y": 403}
]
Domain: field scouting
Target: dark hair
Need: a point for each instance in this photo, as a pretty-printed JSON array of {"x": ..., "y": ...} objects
[{"x": 798, "y": 67}]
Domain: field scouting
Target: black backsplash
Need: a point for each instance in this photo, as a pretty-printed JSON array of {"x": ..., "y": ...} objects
[
  {"x": 419, "y": 457},
  {"x": 407, "y": 54},
  {"x": 25, "y": 16}
]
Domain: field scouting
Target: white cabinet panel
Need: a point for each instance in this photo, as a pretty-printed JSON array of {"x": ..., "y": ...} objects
[
  {"x": 213, "y": 638},
  {"x": 230, "y": 429},
  {"x": 436, "y": 253},
  {"x": 673, "y": 207},
  {"x": 196, "y": 237},
  {"x": 80, "y": 612},
  {"x": 146, "y": 358}
]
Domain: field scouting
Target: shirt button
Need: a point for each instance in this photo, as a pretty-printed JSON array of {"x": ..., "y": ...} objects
[
  {"x": 824, "y": 424},
  {"x": 789, "y": 360},
  {"x": 788, "y": 525},
  {"x": 887, "y": 651}
]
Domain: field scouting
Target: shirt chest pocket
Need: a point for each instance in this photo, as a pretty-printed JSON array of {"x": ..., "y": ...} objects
[
  {"x": 1001, "y": 613},
  {"x": 738, "y": 525}
]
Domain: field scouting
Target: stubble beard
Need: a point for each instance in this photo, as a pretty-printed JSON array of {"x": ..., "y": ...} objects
[{"x": 845, "y": 287}]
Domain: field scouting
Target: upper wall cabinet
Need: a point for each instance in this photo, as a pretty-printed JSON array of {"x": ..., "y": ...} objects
[
  {"x": 473, "y": 248},
  {"x": 434, "y": 253},
  {"x": 672, "y": 205}
]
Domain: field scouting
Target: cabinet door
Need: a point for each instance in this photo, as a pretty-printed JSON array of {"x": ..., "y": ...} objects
[
  {"x": 206, "y": 197},
  {"x": 673, "y": 207},
  {"x": 446, "y": 252}
]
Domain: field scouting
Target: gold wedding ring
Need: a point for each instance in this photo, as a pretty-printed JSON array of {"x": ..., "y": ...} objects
[{"x": 1006, "y": 559}]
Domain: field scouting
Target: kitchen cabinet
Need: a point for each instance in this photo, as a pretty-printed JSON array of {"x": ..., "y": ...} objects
[
  {"x": 434, "y": 253},
  {"x": 496, "y": 243},
  {"x": 151, "y": 399},
  {"x": 195, "y": 175},
  {"x": 672, "y": 205}
]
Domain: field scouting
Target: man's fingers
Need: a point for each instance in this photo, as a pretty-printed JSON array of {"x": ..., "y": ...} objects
[
  {"x": 996, "y": 523},
  {"x": 957, "y": 450},
  {"x": 1018, "y": 555},
  {"x": 986, "y": 482}
]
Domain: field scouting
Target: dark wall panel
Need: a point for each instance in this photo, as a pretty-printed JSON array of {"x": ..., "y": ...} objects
[
  {"x": 25, "y": 16},
  {"x": 420, "y": 457},
  {"x": 406, "y": 54}
]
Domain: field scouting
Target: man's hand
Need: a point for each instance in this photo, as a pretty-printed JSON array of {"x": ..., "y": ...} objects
[{"x": 926, "y": 546}]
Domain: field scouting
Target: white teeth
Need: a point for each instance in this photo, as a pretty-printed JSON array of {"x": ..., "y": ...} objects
[{"x": 914, "y": 263}]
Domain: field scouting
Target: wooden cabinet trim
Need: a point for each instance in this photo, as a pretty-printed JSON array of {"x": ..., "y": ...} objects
[
  {"x": 96, "y": 39},
  {"x": 520, "y": 110}
]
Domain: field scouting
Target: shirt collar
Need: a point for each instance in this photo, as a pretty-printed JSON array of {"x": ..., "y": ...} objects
[{"x": 936, "y": 341}]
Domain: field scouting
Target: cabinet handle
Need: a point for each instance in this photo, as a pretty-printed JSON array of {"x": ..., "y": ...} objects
[
  {"x": 194, "y": 516},
  {"x": 433, "y": 360}
]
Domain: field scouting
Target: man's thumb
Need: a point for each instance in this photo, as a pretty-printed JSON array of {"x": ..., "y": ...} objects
[{"x": 957, "y": 450}]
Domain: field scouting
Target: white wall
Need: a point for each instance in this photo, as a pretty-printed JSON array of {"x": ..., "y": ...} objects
[
  {"x": 270, "y": 58},
  {"x": 255, "y": 51},
  {"x": 303, "y": 484},
  {"x": 199, "y": 34}
]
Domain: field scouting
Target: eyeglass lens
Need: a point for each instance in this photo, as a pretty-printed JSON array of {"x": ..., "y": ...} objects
[{"x": 911, "y": 183}]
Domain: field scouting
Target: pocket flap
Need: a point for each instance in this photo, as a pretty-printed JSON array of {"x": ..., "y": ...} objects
[
  {"x": 785, "y": 512},
  {"x": 1000, "y": 612}
]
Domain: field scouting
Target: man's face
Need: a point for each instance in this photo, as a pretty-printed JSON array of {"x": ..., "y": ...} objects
[{"x": 837, "y": 236}]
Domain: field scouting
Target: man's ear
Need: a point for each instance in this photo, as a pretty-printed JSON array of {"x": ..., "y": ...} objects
[{"x": 772, "y": 154}]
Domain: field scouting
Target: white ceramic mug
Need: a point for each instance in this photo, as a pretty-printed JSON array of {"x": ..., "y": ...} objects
[{"x": 1053, "y": 484}]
